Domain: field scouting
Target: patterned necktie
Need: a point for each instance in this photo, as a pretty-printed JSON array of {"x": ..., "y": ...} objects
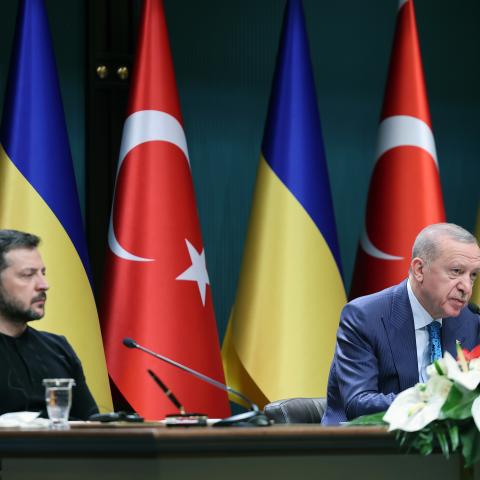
[{"x": 434, "y": 330}]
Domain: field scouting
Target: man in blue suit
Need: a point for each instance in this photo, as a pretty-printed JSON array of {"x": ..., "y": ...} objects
[{"x": 383, "y": 342}]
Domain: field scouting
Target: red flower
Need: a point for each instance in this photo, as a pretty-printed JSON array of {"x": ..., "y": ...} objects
[{"x": 474, "y": 353}]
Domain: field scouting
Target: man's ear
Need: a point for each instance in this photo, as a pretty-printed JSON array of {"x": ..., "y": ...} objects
[{"x": 417, "y": 267}]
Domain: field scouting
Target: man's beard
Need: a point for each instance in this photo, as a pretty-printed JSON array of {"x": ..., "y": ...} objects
[{"x": 10, "y": 308}]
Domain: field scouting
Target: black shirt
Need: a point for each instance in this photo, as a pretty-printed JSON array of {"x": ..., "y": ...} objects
[{"x": 26, "y": 360}]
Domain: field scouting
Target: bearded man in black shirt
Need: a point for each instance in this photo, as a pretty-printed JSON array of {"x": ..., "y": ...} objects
[{"x": 27, "y": 356}]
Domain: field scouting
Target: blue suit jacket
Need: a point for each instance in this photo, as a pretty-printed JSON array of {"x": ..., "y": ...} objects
[{"x": 376, "y": 352}]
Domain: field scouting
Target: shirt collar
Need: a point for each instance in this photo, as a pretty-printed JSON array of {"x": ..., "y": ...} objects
[{"x": 421, "y": 317}]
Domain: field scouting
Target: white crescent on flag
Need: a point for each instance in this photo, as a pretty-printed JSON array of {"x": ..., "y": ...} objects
[
  {"x": 399, "y": 131},
  {"x": 141, "y": 127}
]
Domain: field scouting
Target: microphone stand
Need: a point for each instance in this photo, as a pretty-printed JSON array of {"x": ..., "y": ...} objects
[{"x": 254, "y": 417}]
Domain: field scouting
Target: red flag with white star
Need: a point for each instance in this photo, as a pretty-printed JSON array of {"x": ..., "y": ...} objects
[
  {"x": 405, "y": 193},
  {"x": 156, "y": 288}
]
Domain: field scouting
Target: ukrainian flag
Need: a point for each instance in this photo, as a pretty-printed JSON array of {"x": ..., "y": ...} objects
[
  {"x": 281, "y": 334},
  {"x": 38, "y": 193}
]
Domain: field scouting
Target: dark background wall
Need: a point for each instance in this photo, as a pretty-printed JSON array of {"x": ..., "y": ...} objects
[{"x": 224, "y": 53}]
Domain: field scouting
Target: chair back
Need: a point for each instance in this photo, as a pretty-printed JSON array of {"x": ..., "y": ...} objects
[{"x": 296, "y": 410}]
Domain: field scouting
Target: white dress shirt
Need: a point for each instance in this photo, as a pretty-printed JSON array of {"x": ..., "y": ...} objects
[{"x": 421, "y": 318}]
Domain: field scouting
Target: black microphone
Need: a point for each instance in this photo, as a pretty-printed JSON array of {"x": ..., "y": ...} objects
[
  {"x": 474, "y": 308},
  {"x": 129, "y": 342},
  {"x": 253, "y": 417}
]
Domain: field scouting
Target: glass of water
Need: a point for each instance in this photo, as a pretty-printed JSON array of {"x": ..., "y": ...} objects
[{"x": 58, "y": 397}]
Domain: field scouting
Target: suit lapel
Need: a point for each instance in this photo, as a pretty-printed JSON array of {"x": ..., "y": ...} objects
[
  {"x": 401, "y": 336},
  {"x": 452, "y": 330}
]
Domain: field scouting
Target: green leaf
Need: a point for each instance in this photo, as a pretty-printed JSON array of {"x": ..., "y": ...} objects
[
  {"x": 458, "y": 404},
  {"x": 421, "y": 441},
  {"x": 442, "y": 440},
  {"x": 426, "y": 434},
  {"x": 438, "y": 368},
  {"x": 426, "y": 449},
  {"x": 401, "y": 437},
  {"x": 373, "y": 419},
  {"x": 470, "y": 439},
  {"x": 452, "y": 429}
]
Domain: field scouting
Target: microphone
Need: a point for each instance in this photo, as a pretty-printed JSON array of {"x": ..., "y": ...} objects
[
  {"x": 253, "y": 417},
  {"x": 474, "y": 308},
  {"x": 129, "y": 343}
]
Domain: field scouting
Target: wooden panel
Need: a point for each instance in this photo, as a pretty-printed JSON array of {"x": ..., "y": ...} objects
[
  {"x": 111, "y": 26},
  {"x": 279, "y": 452}
]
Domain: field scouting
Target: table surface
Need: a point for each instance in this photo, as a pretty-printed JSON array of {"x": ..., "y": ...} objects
[{"x": 119, "y": 439}]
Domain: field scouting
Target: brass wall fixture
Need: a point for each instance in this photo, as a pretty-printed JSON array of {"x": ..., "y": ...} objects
[
  {"x": 102, "y": 72},
  {"x": 122, "y": 73}
]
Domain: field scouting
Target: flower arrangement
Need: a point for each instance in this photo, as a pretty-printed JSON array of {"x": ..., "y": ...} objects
[{"x": 444, "y": 411}]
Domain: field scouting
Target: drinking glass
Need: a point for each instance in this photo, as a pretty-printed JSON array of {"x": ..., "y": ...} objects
[{"x": 58, "y": 397}]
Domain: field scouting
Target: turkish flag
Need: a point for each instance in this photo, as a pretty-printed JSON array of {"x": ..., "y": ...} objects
[
  {"x": 405, "y": 193},
  {"x": 156, "y": 288}
]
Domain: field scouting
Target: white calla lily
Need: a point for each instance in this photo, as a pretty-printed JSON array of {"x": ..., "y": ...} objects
[
  {"x": 414, "y": 409},
  {"x": 476, "y": 412},
  {"x": 417, "y": 406},
  {"x": 469, "y": 380},
  {"x": 474, "y": 364},
  {"x": 437, "y": 368}
]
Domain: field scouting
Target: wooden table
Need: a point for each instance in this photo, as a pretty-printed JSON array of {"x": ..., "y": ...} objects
[{"x": 267, "y": 453}]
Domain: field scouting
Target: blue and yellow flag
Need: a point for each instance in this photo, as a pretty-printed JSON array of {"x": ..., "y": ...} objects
[
  {"x": 38, "y": 193},
  {"x": 281, "y": 334}
]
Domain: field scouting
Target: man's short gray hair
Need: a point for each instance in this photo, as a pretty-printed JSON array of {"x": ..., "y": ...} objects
[{"x": 426, "y": 244}]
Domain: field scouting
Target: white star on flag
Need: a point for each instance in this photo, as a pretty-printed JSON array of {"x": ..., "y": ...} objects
[{"x": 197, "y": 272}]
